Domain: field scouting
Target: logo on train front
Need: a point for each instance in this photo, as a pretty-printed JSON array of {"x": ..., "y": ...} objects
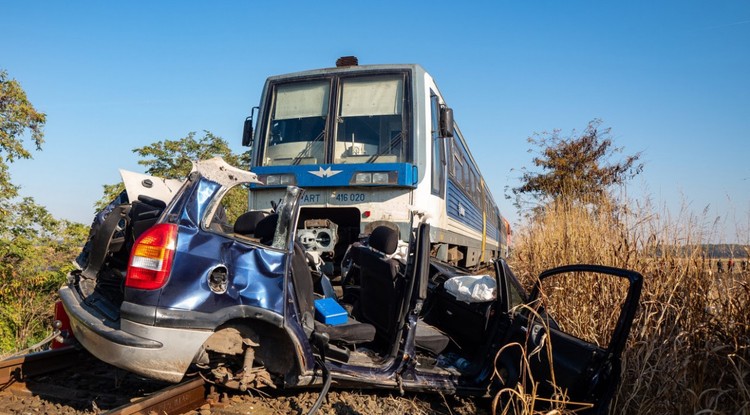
[{"x": 323, "y": 173}]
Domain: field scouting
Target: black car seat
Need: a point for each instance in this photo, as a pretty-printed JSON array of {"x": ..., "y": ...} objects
[
  {"x": 383, "y": 288},
  {"x": 247, "y": 222},
  {"x": 266, "y": 227},
  {"x": 352, "y": 332},
  {"x": 381, "y": 285}
]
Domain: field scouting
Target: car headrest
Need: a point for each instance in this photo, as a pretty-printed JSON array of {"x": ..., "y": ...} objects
[
  {"x": 266, "y": 228},
  {"x": 248, "y": 222},
  {"x": 384, "y": 239}
]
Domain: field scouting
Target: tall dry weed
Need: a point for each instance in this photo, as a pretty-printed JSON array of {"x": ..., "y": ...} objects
[{"x": 688, "y": 351}]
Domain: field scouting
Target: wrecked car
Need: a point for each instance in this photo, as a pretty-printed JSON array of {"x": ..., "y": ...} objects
[{"x": 167, "y": 288}]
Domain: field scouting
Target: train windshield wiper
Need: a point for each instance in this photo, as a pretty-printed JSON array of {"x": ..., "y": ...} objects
[
  {"x": 307, "y": 148},
  {"x": 396, "y": 140}
]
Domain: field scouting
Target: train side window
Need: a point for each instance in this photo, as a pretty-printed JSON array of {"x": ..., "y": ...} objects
[
  {"x": 438, "y": 153},
  {"x": 453, "y": 157},
  {"x": 458, "y": 167},
  {"x": 467, "y": 175},
  {"x": 475, "y": 187},
  {"x": 473, "y": 184}
]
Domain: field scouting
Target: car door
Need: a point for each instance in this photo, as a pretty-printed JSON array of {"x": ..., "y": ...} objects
[
  {"x": 542, "y": 352},
  {"x": 295, "y": 263}
]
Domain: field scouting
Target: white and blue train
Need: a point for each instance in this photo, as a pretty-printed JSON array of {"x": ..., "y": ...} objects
[{"x": 372, "y": 145}]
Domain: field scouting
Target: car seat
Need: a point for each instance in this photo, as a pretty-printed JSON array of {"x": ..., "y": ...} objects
[{"x": 383, "y": 288}]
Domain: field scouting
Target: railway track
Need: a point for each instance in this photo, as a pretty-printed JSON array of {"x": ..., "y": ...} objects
[
  {"x": 177, "y": 399},
  {"x": 72, "y": 381}
]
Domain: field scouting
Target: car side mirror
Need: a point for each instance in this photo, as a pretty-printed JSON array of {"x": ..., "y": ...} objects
[{"x": 446, "y": 121}]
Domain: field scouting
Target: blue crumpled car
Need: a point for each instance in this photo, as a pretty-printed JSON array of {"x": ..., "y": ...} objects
[{"x": 167, "y": 288}]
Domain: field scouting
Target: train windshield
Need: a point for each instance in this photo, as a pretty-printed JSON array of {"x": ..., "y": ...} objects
[
  {"x": 370, "y": 123},
  {"x": 368, "y": 127},
  {"x": 298, "y": 124}
]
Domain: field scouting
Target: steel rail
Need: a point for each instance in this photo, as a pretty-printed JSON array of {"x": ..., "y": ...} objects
[
  {"x": 177, "y": 399},
  {"x": 16, "y": 369}
]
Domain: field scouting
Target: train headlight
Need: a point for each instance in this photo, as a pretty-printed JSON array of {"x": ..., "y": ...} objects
[
  {"x": 380, "y": 178},
  {"x": 363, "y": 178},
  {"x": 279, "y": 180},
  {"x": 377, "y": 177}
]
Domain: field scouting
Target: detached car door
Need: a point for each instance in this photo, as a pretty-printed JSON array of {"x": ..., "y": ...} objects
[{"x": 573, "y": 330}]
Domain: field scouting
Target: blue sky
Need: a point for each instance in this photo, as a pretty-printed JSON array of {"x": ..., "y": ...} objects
[{"x": 672, "y": 79}]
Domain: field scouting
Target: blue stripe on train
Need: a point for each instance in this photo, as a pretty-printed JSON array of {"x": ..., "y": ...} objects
[{"x": 339, "y": 175}]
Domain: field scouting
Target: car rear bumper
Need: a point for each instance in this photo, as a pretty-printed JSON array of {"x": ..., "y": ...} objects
[{"x": 155, "y": 352}]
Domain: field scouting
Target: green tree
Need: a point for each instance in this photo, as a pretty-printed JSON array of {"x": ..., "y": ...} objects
[
  {"x": 35, "y": 256},
  {"x": 17, "y": 118},
  {"x": 35, "y": 248},
  {"x": 172, "y": 159},
  {"x": 580, "y": 167}
]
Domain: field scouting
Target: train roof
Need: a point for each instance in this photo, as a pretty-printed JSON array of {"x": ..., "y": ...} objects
[{"x": 414, "y": 68}]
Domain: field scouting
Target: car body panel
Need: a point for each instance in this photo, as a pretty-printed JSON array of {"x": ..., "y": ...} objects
[
  {"x": 152, "y": 351},
  {"x": 139, "y": 184},
  {"x": 255, "y": 275}
]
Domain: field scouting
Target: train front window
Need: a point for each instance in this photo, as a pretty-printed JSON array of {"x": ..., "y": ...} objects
[
  {"x": 296, "y": 133},
  {"x": 370, "y": 123}
]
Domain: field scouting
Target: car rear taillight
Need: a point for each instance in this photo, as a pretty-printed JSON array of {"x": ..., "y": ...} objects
[{"x": 151, "y": 257}]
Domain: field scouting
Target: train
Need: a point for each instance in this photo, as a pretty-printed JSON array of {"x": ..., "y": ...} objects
[{"x": 371, "y": 145}]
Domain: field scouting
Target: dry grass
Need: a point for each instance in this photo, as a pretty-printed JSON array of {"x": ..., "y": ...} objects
[
  {"x": 688, "y": 351},
  {"x": 524, "y": 398}
]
